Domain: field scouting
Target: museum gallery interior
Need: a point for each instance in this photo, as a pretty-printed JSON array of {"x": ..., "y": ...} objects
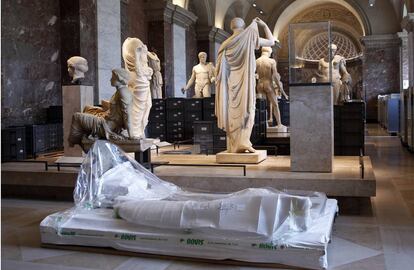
[{"x": 207, "y": 134}]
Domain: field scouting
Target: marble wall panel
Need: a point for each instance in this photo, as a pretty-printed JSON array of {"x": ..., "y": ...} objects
[
  {"x": 30, "y": 70},
  {"x": 180, "y": 59},
  {"x": 133, "y": 20},
  {"x": 168, "y": 46},
  {"x": 380, "y": 76},
  {"x": 108, "y": 43},
  {"x": 191, "y": 55},
  {"x": 156, "y": 30}
]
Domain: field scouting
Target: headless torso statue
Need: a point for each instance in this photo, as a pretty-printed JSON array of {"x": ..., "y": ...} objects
[
  {"x": 236, "y": 83},
  {"x": 341, "y": 79},
  {"x": 156, "y": 80},
  {"x": 203, "y": 76},
  {"x": 269, "y": 85}
]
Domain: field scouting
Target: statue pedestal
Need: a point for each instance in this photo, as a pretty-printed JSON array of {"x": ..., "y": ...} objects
[
  {"x": 277, "y": 129},
  {"x": 74, "y": 99},
  {"x": 241, "y": 158},
  {"x": 311, "y": 128}
]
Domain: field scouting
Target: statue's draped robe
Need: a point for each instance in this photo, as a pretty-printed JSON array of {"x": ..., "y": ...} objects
[{"x": 235, "y": 88}]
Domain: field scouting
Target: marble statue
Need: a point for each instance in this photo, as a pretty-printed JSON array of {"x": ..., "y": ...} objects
[
  {"x": 341, "y": 79},
  {"x": 269, "y": 85},
  {"x": 203, "y": 76},
  {"x": 112, "y": 123},
  {"x": 135, "y": 55},
  {"x": 236, "y": 83},
  {"x": 77, "y": 67},
  {"x": 156, "y": 80}
]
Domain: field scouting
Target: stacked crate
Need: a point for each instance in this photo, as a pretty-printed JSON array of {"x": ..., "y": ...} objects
[
  {"x": 175, "y": 119},
  {"x": 203, "y": 135},
  {"x": 209, "y": 109},
  {"x": 193, "y": 109},
  {"x": 349, "y": 128},
  {"x": 219, "y": 139},
  {"x": 55, "y": 136},
  {"x": 284, "y": 111},
  {"x": 259, "y": 128},
  {"x": 157, "y": 121},
  {"x": 13, "y": 144}
]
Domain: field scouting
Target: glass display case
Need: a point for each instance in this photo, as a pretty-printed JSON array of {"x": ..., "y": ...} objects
[{"x": 310, "y": 53}]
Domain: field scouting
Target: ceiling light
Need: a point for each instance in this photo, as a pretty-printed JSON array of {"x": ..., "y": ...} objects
[
  {"x": 371, "y": 3},
  {"x": 261, "y": 11},
  {"x": 254, "y": 5}
]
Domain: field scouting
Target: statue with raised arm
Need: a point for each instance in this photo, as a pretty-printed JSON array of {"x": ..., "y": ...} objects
[
  {"x": 236, "y": 83},
  {"x": 156, "y": 80},
  {"x": 135, "y": 55},
  {"x": 112, "y": 123},
  {"x": 77, "y": 67},
  {"x": 268, "y": 83},
  {"x": 203, "y": 76},
  {"x": 341, "y": 79}
]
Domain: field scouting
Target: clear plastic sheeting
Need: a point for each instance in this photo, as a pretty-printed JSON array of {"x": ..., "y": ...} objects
[
  {"x": 108, "y": 173},
  {"x": 120, "y": 204}
]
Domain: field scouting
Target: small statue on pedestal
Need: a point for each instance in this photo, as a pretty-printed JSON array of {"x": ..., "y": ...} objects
[
  {"x": 77, "y": 67},
  {"x": 203, "y": 76},
  {"x": 269, "y": 85},
  {"x": 113, "y": 123}
]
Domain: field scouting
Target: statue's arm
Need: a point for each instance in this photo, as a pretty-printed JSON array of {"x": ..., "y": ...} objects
[
  {"x": 269, "y": 41},
  {"x": 276, "y": 79},
  {"x": 191, "y": 81}
]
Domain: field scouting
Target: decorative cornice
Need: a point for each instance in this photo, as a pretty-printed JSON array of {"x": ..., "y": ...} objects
[
  {"x": 381, "y": 41},
  {"x": 218, "y": 35},
  {"x": 178, "y": 15},
  {"x": 408, "y": 22}
]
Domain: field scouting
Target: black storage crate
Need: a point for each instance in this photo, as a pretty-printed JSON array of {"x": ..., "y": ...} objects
[
  {"x": 54, "y": 114},
  {"x": 284, "y": 111},
  {"x": 175, "y": 115},
  {"x": 209, "y": 115},
  {"x": 157, "y": 116},
  {"x": 37, "y": 139},
  {"x": 55, "y": 137},
  {"x": 209, "y": 103},
  {"x": 13, "y": 143},
  {"x": 192, "y": 116},
  {"x": 261, "y": 104},
  {"x": 219, "y": 141},
  {"x": 175, "y": 124},
  {"x": 156, "y": 128},
  {"x": 175, "y": 103},
  {"x": 193, "y": 104}
]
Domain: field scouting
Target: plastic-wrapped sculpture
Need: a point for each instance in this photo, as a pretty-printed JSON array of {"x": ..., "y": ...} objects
[
  {"x": 269, "y": 84},
  {"x": 203, "y": 76},
  {"x": 236, "y": 83},
  {"x": 113, "y": 123},
  {"x": 156, "y": 80},
  {"x": 135, "y": 55},
  {"x": 77, "y": 67},
  {"x": 341, "y": 79}
]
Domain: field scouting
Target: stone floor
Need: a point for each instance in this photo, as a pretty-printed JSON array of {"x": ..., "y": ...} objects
[{"x": 382, "y": 241}]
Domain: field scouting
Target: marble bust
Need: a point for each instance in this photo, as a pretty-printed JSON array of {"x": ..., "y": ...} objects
[
  {"x": 156, "y": 80},
  {"x": 111, "y": 123},
  {"x": 77, "y": 67},
  {"x": 236, "y": 83},
  {"x": 341, "y": 79},
  {"x": 268, "y": 83},
  {"x": 203, "y": 76},
  {"x": 135, "y": 55}
]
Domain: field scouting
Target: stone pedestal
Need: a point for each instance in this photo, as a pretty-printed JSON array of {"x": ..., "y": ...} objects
[
  {"x": 241, "y": 158},
  {"x": 74, "y": 99},
  {"x": 311, "y": 128}
]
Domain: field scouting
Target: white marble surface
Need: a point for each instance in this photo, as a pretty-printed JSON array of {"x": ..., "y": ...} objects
[
  {"x": 109, "y": 44},
  {"x": 180, "y": 64},
  {"x": 311, "y": 128},
  {"x": 74, "y": 99}
]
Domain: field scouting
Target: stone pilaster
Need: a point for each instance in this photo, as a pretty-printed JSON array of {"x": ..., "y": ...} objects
[
  {"x": 404, "y": 83},
  {"x": 177, "y": 23},
  {"x": 380, "y": 69},
  {"x": 216, "y": 36}
]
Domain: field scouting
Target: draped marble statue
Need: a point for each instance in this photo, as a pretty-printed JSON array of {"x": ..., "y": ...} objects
[
  {"x": 341, "y": 79},
  {"x": 268, "y": 83},
  {"x": 156, "y": 80},
  {"x": 77, "y": 67},
  {"x": 135, "y": 55},
  {"x": 113, "y": 122},
  {"x": 236, "y": 83},
  {"x": 203, "y": 76}
]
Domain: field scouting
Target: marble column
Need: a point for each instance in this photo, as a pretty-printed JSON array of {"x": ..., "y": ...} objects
[
  {"x": 216, "y": 36},
  {"x": 108, "y": 16},
  {"x": 311, "y": 128},
  {"x": 408, "y": 25},
  {"x": 176, "y": 21},
  {"x": 380, "y": 70}
]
